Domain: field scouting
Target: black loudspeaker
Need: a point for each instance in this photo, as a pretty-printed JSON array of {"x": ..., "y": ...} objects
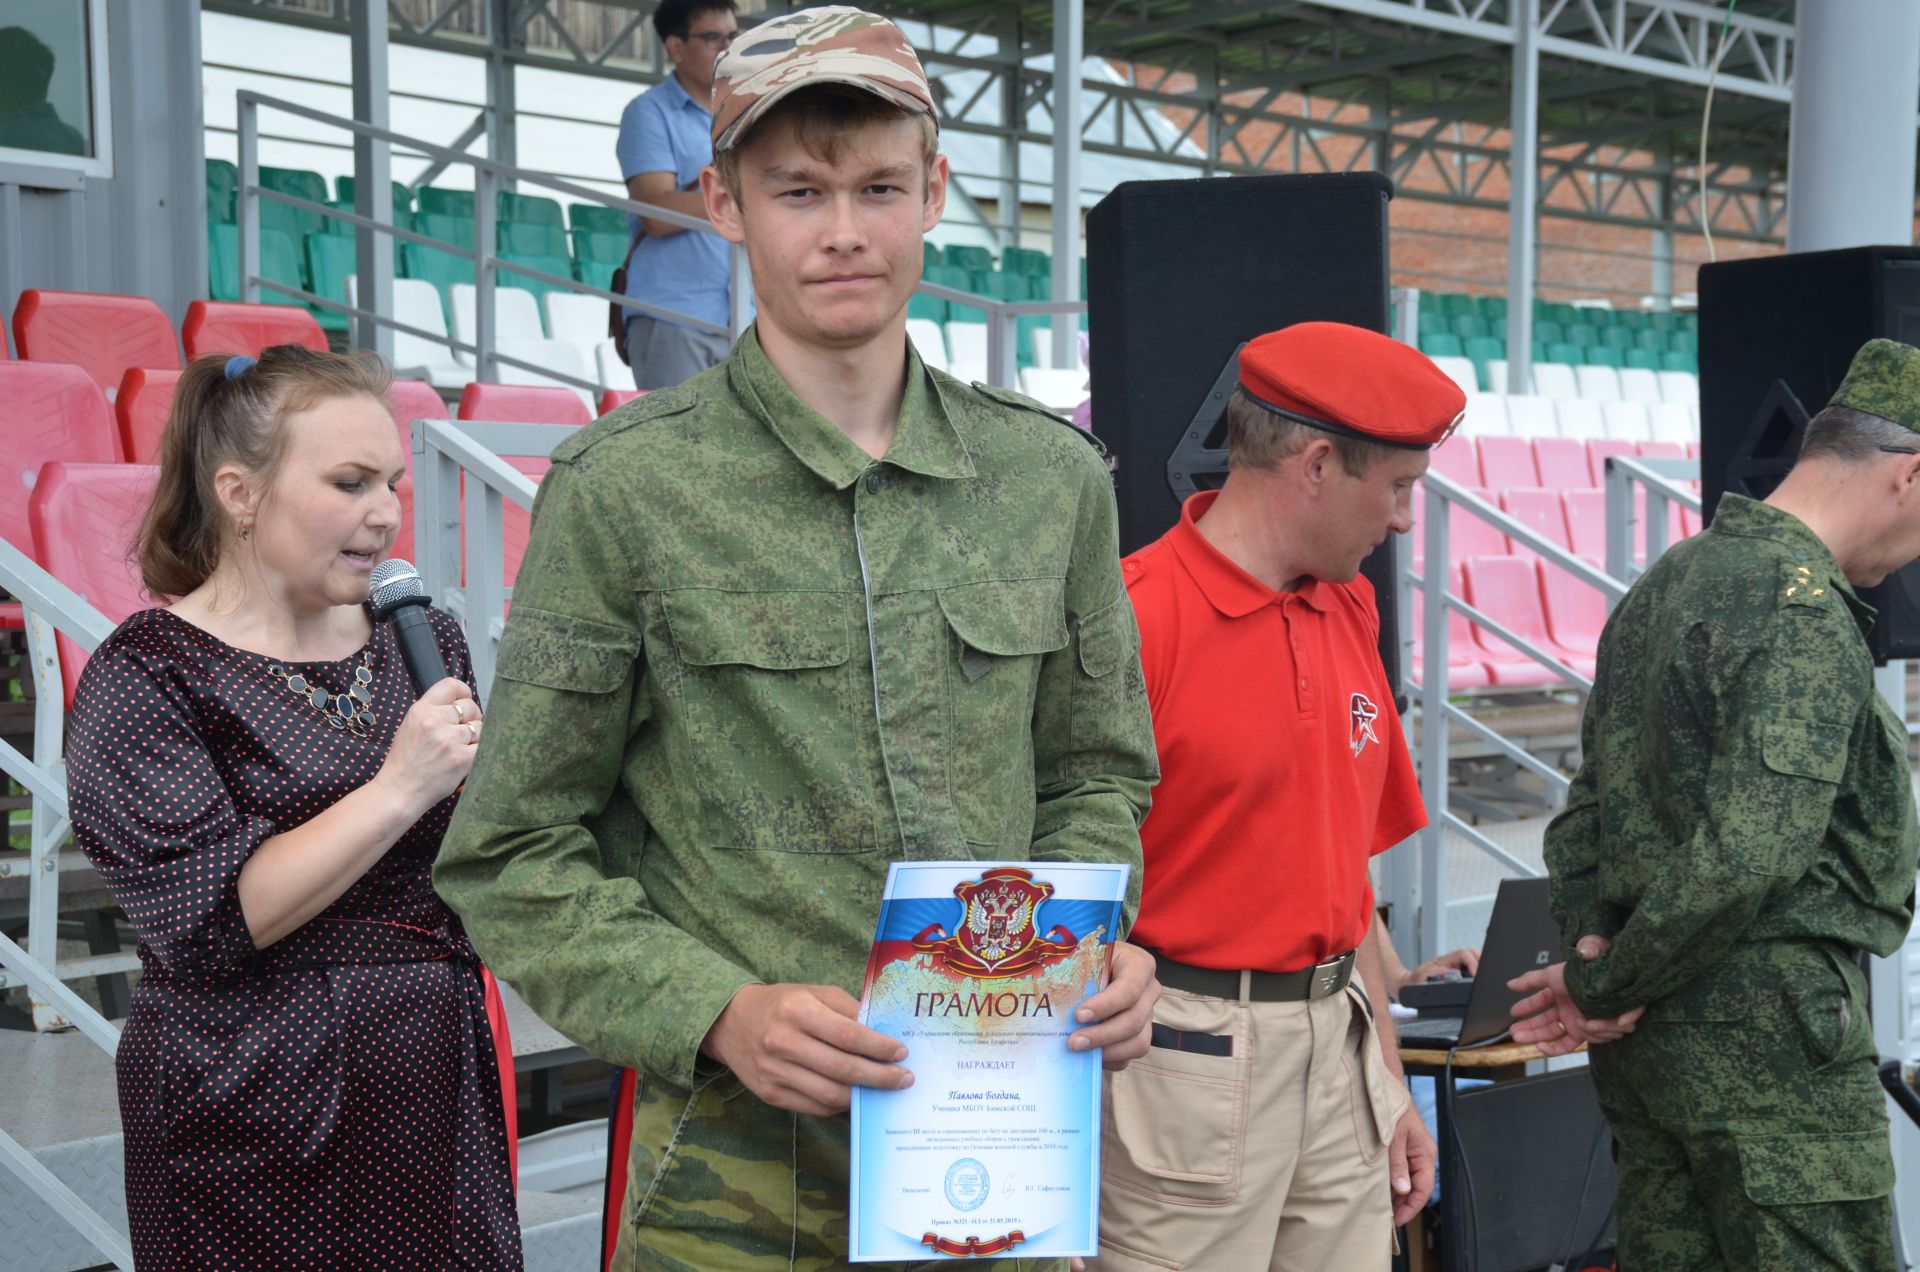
[
  {"x": 1776, "y": 336},
  {"x": 1179, "y": 275}
]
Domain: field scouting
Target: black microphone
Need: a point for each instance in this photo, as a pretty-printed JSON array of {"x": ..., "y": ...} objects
[{"x": 399, "y": 595}]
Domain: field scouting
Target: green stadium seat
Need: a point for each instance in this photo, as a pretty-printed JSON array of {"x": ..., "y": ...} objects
[
  {"x": 930, "y": 255},
  {"x": 1631, "y": 319},
  {"x": 532, "y": 209},
  {"x": 1442, "y": 344},
  {"x": 1561, "y": 312},
  {"x": 222, "y": 180},
  {"x": 1431, "y": 321},
  {"x": 331, "y": 260},
  {"x": 1484, "y": 349},
  {"x": 1000, "y": 285},
  {"x": 1468, "y": 326},
  {"x": 1024, "y": 260},
  {"x": 599, "y": 247},
  {"x": 931, "y": 307},
  {"x": 1603, "y": 355},
  {"x": 446, "y": 202},
  {"x": 295, "y": 221},
  {"x": 223, "y": 262},
  {"x": 1683, "y": 341},
  {"x": 279, "y": 261},
  {"x": 1617, "y": 338},
  {"x": 1598, "y": 318},
  {"x": 1547, "y": 331},
  {"x": 1565, "y": 351},
  {"x": 1689, "y": 320},
  {"x": 402, "y": 197},
  {"x": 297, "y": 182},
  {"x": 447, "y": 228},
  {"x": 1582, "y": 333},
  {"x": 957, "y": 278},
  {"x": 1675, "y": 360},
  {"x": 1644, "y": 358},
  {"x": 1492, "y": 308},
  {"x": 559, "y": 266},
  {"x": 531, "y": 238},
  {"x": 442, "y": 269},
  {"x": 591, "y": 216},
  {"x": 1539, "y": 351},
  {"x": 334, "y": 226},
  {"x": 971, "y": 259}
]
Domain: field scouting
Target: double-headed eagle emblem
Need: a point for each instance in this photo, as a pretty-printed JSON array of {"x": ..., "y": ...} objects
[{"x": 997, "y": 936}]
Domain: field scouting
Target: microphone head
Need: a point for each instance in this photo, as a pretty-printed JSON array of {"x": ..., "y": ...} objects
[{"x": 395, "y": 583}]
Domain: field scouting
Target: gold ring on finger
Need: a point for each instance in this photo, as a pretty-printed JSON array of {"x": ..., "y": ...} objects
[
  {"x": 460, "y": 711},
  {"x": 473, "y": 733}
]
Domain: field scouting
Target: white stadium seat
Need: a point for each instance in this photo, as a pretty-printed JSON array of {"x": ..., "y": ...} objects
[
  {"x": 1681, "y": 387},
  {"x": 1061, "y": 390},
  {"x": 1531, "y": 416},
  {"x": 614, "y": 374},
  {"x": 1626, "y": 421},
  {"x": 516, "y": 316},
  {"x": 928, "y": 342},
  {"x": 416, "y": 303},
  {"x": 1579, "y": 418},
  {"x": 1487, "y": 415},
  {"x": 1555, "y": 380},
  {"x": 967, "y": 350},
  {"x": 1461, "y": 372},
  {"x": 553, "y": 355},
  {"x": 578, "y": 320},
  {"x": 1637, "y": 384},
  {"x": 1672, "y": 422},
  {"x": 1497, "y": 375},
  {"x": 1598, "y": 384},
  {"x": 1043, "y": 349}
]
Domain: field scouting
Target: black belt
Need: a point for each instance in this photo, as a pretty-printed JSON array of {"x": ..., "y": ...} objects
[{"x": 1321, "y": 981}]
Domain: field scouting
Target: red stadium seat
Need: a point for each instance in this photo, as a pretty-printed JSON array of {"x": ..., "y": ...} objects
[
  {"x": 1662, "y": 450},
  {"x": 1469, "y": 536},
  {"x": 613, "y": 399},
  {"x": 523, "y": 404},
  {"x": 142, "y": 407},
  {"x": 1506, "y": 463},
  {"x": 214, "y": 326},
  {"x": 104, "y": 334},
  {"x": 1507, "y": 589},
  {"x": 1576, "y": 611},
  {"x": 1464, "y": 669},
  {"x": 1586, "y": 512},
  {"x": 84, "y": 518},
  {"x": 1538, "y": 510},
  {"x": 1600, "y": 449},
  {"x": 1455, "y": 459},
  {"x": 410, "y": 400},
  {"x": 1562, "y": 462},
  {"x": 48, "y": 411}
]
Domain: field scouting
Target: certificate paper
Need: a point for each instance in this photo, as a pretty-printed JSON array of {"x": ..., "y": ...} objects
[{"x": 978, "y": 967}]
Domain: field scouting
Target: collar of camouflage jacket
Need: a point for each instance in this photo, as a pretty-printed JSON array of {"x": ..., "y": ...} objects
[
  {"x": 925, "y": 442},
  {"x": 1740, "y": 515}
]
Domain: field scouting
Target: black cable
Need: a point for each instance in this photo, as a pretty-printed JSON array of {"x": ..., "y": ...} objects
[
  {"x": 1470, "y": 1206},
  {"x": 1592, "y": 1252}
]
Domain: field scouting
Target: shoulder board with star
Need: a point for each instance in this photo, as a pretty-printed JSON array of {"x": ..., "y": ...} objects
[{"x": 1804, "y": 586}]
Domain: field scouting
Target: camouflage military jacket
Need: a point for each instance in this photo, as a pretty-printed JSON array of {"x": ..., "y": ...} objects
[
  {"x": 748, "y": 666},
  {"x": 1742, "y": 779}
]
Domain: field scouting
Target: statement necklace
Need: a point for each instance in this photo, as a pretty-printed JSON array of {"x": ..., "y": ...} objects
[{"x": 352, "y": 710}]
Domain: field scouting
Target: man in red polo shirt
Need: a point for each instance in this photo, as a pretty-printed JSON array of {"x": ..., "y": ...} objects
[{"x": 1269, "y": 1126}]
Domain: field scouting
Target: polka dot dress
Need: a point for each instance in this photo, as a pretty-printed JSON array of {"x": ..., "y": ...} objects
[{"x": 331, "y": 1101}]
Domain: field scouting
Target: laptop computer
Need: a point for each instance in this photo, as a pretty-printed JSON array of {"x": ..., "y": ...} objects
[{"x": 1521, "y": 936}]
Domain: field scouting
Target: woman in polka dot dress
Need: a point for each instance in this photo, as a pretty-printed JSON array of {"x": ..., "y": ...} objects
[{"x": 307, "y": 1075}]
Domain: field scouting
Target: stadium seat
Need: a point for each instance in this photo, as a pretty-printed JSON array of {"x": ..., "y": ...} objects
[
  {"x": 438, "y": 268},
  {"x": 928, "y": 341},
  {"x": 410, "y": 400},
  {"x": 83, "y": 516},
  {"x": 1579, "y": 418},
  {"x": 599, "y": 248},
  {"x": 531, "y": 238},
  {"x": 529, "y": 209},
  {"x": 522, "y": 404},
  {"x": 1482, "y": 350},
  {"x": 969, "y": 257},
  {"x": 1600, "y": 450},
  {"x": 1063, "y": 390},
  {"x": 1681, "y": 387},
  {"x": 1626, "y": 421},
  {"x": 1671, "y": 422},
  {"x": 1497, "y": 375},
  {"x": 929, "y": 308},
  {"x": 558, "y": 266},
  {"x": 231, "y": 327},
  {"x": 1597, "y": 383},
  {"x": 222, "y": 180},
  {"x": 1470, "y": 326},
  {"x": 1464, "y": 670},
  {"x": 1458, "y": 369},
  {"x": 1506, "y": 463},
  {"x": 1567, "y": 351},
  {"x": 1603, "y": 356},
  {"x": 1555, "y": 379},
  {"x": 1507, "y": 588},
  {"x": 1442, "y": 344},
  {"x": 1639, "y": 385},
  {"x": 437, "y": 199},
  {"x": 1561, "y": 463},
  {"x": 1531, "y": 416},
  {"x": 967, "y": 350},
  {"x": 1540, "y": 511},
  {"x": 576, "y": 319},
  {"x": 141, "y": 409},
  {"x": 613, "y": 399},
  {"x": 554, "y": 358},
  {"x": 101, "y": 333},
  {"x": 416, "y": 303},
  {"x": 1576, "y": 610},
  {"x": 457, "y": 230},
  {"x": 1662, "y": 450},
  {"x": 516, "y": 316},
  {"x": 1644, "y": 359},
  {"x": 54, "y": 411},
  {"x": 1468, "y": 535},
  {"x": 1683, "y": 341},
  {"x": 1487, "y": 416},
  {"x": 1586, "y": 512},
  {"x": 596, "y": 217},
  {"x": 614, "y": 374},
  {"x": 1457, "y": 459},
  {"x": 1663, "y": 321},
  {"x": 1674, "y": 360}
]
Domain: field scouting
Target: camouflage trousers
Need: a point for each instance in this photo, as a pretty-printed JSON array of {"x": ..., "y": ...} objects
[
  {"x": 721, "y": 1181},
  {"x": 1749, "y": 1126}
]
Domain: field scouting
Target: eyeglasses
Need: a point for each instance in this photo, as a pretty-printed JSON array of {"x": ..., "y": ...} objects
[
  {"x": 1898, "y": 450},
  {"x": 713, "y": 39}
]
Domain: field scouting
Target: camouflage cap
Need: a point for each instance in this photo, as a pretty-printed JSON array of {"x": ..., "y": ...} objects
[
  {"x": 1884, "y": 380},
  {"x": 833, "y": 44}
]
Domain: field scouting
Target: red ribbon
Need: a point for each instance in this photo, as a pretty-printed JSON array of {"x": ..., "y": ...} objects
[
  {"x": 973, "y": 1247},
  {"x": 503, "y": 1057}
]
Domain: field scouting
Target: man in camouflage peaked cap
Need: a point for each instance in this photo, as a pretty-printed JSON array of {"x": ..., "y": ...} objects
[
  {"x": 1741, "y": 829},
  {"x": 811, "y": 612}
]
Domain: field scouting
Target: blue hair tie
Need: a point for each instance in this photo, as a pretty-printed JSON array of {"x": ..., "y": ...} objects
[{"x": 238, "y": 364}]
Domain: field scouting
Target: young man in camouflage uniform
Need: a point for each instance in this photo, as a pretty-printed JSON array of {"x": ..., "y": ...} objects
[
  {"x": 813, "y": 611},
  {"x": 1741, "y": 829}
]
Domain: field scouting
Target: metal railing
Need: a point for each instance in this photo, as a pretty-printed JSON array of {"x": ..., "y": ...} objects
[
  {"x": 52, "y": 608},
  {"x": 1656, "y": 485},
  {"x": 490, "y": 178}
]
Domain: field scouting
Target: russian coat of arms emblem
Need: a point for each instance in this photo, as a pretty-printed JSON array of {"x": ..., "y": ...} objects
[{"x": 998, "y": 934}]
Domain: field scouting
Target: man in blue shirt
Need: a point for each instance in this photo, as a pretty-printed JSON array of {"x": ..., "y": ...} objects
[{"x": 665, "y": 140}]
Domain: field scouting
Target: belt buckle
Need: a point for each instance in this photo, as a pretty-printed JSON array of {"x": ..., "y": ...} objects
[{"x": 1326, "y": 978}]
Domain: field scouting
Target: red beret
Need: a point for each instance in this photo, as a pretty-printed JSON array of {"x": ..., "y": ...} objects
[{"x": 1352, "y": 381}]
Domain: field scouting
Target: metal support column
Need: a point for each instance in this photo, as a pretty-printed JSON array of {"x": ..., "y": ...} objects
[
  {"x": 372, "y": 175},
  {"x": 1012, "y": 121},
  {"x": 1069, "y": 40},
  {"x": 1523, "y": 198},
  {"x": 503, "y": 104},
  {"x": 1663, "y": 243}
]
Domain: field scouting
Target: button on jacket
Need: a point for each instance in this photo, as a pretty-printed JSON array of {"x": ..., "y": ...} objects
[{"x": 748, "y": 666}]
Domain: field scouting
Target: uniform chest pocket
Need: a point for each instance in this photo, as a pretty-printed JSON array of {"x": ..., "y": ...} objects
[
  {"x": 999, "y": 632},
  {"x": 771, "y": 723}
]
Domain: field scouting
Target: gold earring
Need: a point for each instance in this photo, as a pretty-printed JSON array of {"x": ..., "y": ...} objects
[{"x": 246, "y": 531}]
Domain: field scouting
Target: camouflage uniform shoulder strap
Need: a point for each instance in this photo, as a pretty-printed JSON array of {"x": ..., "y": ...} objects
[
  {"x": 656, "y": 405},
  {"x": 1802, "y": 585},
  {"x": 1021, "y": 402}
]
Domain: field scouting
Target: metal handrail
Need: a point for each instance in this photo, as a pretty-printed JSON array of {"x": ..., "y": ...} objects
[{"x": 1661, "y": 479}]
